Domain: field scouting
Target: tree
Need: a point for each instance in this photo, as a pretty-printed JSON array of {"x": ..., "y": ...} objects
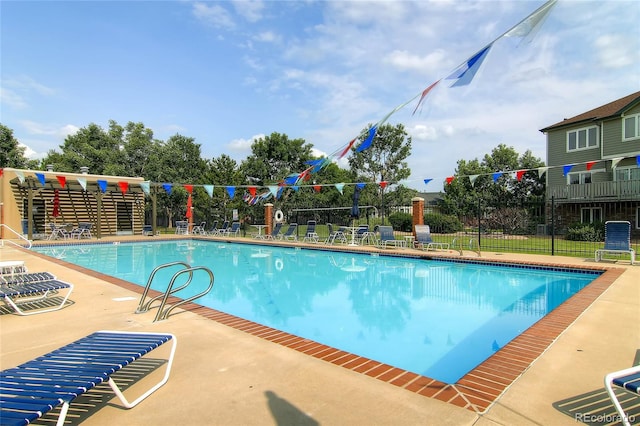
[
  {"x": 382, "y": 161},
  {"x": 11, "y": 153}
]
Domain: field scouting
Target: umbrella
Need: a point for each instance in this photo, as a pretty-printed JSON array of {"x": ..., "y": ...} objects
[
  {"x": 355, "y": 210},
  {"x": 56, "y": 204}
]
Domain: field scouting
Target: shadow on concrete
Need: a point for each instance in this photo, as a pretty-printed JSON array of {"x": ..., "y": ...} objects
[{"x": 285, "y": 414}]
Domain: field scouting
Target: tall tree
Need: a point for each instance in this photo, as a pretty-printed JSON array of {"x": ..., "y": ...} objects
[{"x": 11, "y": 153}]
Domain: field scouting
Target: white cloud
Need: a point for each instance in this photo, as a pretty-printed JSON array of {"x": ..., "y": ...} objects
[
  {"x": 12, "y": 99},
  {"x": 243, "y": 146},
  {"x": 213, "y": 14},
  {"x": 251, "y": 10},
  {"x": 615, "y": 52}
]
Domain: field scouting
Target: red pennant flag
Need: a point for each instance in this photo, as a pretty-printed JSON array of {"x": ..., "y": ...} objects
[
  {"x": 62, "y": 180},
  {"x": 123, "y": 186},
  {"x": 344, "y": 151},
  {"x": 189, "y": 213},
  {"x": 252, "y": 191},
  {"x": 590, "y": 164},
  {"x": 317, "y": 187},
  {"x": 189, "y": 188},
  {"x": 450, "y": 179},
  {"x": 519, "y": 174},
  {"x": 383, "y": 184},
  {"x": 1, "y": 171}
]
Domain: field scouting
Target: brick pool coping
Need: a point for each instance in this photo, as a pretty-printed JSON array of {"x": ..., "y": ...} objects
[{"x": 476, "y": 391}]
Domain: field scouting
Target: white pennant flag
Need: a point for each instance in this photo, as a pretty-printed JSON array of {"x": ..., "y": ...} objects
[
  {"x": 145, "y": 187},
  {"x": 209, "y": 189},
  {"x": 339, "y": 186},
  {"x": 473, "y": 178},
  {"x": 83, "y": 183},
  {"x": 542, "y": 171},
  {"x": 615, "y": 161},
  {"x": 20, "y": 176}
]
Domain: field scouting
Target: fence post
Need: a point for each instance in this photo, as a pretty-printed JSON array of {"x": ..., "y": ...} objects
[
  {"x": 268, "y": 218},
  {"x": 417, "y": 204},
  {"x": 553, "y": 225}
]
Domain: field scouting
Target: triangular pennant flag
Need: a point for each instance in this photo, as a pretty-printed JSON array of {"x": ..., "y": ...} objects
[
  {"x": 62, "y": 180},
  {"x": 1, "y": 171},
  {"x": 473, "y": 178},
  {"x": 145, "y": 187},
  {"x": 339, "y": 186},
  {"x": 20, "y": 176},
  {"x": 41, "y": 178},
  {"x": 637, "y": 163},
  {"x": 590, "y": 164},
  {"x": 83, "y": 183},
  {"x": 542, "y": 171},
  {"x": 231, "y": 190},
  {"x": 360, "y": 186},
  {"x": 209, "y": 189},
  {"x": 496, "y": 176},
  {"x": 519, "y": 174},
  {"x": 449, "y": 179},
  {"x": 426, "y": 181},
  {"x": 531, "y": 22},
  {"x": 167, "y": 187},
  {"x": 465, "y": 72},
  {"x": 367, "y": 143},
  {"x": 102, "y": 184},
  {"x": 425, "y": 92},
  {"x": 295, "y": 188},
  {"x": 189, "y": 188},
  {"x": 384, "y": 184},
  {"x": 346, "y": 149},
  {"x": 252, "y": 191},
  {"x": 124, "y": 186},
  {"x": 615, "y": 161},
  {"x": 273, "y": 190},
  {"x": 317, "y": 188},
  {"x": 566, "y": 169}
]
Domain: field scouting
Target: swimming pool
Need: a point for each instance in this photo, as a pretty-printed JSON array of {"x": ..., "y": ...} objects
[{"x": 437, "y": 318}]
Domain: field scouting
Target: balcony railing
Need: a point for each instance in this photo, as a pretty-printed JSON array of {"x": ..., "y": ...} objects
[{"x": 597, "y": 191}]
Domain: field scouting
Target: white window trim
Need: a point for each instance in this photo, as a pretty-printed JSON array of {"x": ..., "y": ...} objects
[
  {"x": 638, "y": 218},
  {"x": 597, "y": 145},
  {"x": 592, "y": 171},
  {"x": 624, "y": 136},
  {"x": 591, "y": 210}
]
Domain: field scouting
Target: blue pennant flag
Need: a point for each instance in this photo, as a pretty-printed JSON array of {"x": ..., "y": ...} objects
[
  {"x": 167, "y": 187},
  {"x": 367, "y": 143},
  {"x": 465, "y": 72},
  {"x": 103, "y": 185},
  {"x": 41, "y": 178}
]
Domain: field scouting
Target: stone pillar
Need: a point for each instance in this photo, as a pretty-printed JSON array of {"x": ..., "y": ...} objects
[
  {"x": 268, "y": 218},
  {"x": 418, "y": 212}
]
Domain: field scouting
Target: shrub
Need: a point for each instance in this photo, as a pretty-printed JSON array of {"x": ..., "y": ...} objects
[
  {"x": 585, "y": 232},
  {"x": 401, "y": 221},
  {"x": 443, "y": 224}
]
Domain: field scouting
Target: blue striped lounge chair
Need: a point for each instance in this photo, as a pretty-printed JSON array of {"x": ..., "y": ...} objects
[
  {"x": 31, "y": 390},
  {"x": 627, "y": 379},
  {"x": 290, "y": 234},
  {"x": 275, "y": 233},
  {"x": 311, "y": 235},
  {"x": 388, "y": 238},
  {"x": 425, "y": 242},
  {"x": 617, "y": 240},
  {"x": 31, "y": 290}
]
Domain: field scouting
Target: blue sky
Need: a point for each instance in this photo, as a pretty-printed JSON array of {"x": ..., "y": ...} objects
[{"x": 226, "y": 72}]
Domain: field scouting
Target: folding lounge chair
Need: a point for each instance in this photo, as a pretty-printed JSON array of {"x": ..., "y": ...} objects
[
  {"x": 338, "y": 235},
  {"x": 18, "y": 294},
  {"x": 82, "y": 231},
  {"x": 290, "y": 234},
  {"x": 275, "y": 233},
  {"x": 223, "y": 229},
  {"x": 617, "y": 239},
  {"x": 234, "y": 230},
  {"x": 27, "y": 277},
  {"x": 311, "y": 235},
  {"x": 36, "y": 387},
  {"x": 388, "y": 238},
  {"x": 627, "y": 379},
  {"x": 200, "y": 229},
  {"x": 147, "y": 230},
  {"x": 425, "y": 242},
  {"x": 182, "y": 227}
]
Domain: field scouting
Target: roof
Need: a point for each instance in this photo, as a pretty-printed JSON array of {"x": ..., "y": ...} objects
[{"x": 610, "y": 110}]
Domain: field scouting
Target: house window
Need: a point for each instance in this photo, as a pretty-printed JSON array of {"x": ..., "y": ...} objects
[
  {"x": 591, "y": 214},
  {"x": 579, "y": 178},
  {"x": 638, "y": 218},
  {"x": 631, "y": 127},
  {"x": 626, "y": 173},
  {"x": 582, "y": 139}
]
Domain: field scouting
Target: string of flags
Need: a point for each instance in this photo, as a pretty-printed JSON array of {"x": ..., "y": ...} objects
[{"x": 251, "y": 195}]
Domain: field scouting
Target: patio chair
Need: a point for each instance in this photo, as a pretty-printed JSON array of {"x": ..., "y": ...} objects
[
  {"x": 388, "y": 238},
  {"x": 223, "y": 229},
  {"x": 82, "y": 231},
  {"x": 290, "y": 234},
  {"x": 311, "y": 235},
  {"x": 20, "y": 295},
  {"x": 425, "y": 242},
  {"x": 57, "y": 232},
  {"x": 335, "y": 235},
  {"x": 627, "y": 379},
  {"x": 617, "y": 239},
  {"x": 26, "y": 277},
  {"x": 200, "y": 229},
  {"x": 214, "y": 228},
  {"x": 32, "y": 389},
  {"x": 275, "y": 233},
  {"x": 182, "y": 227},
  {"x": 234, "y": 230},
  {"x": 147, "y": 230}
]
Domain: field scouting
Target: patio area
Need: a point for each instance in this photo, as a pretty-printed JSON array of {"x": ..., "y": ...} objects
[{"x": 225, "y": 376}]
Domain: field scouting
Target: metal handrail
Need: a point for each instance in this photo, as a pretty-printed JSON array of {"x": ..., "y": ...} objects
[
  {"x": 144, "y": 307},
  {"x": 20, "y": 236},
  {"x": 471, "y": 243},
  {"x": 162, "y": 315}
]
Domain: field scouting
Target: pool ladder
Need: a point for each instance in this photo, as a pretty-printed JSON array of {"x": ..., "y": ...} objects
[
  {"x": 460, "y": 248},
  {"x": 163, "y": 313}
]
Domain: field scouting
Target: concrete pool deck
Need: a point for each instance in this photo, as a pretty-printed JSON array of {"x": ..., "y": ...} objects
[{"x": 222, "y": 375}]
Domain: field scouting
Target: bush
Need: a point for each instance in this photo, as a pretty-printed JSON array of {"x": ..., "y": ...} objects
[
  {"x": 401, "y": 221},
  {"x": 443, "y": 224},
  {"x": 593, "y": 232}
]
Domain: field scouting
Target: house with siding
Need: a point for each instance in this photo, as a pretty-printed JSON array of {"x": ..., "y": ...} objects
[{"x": 593, "y": 160}]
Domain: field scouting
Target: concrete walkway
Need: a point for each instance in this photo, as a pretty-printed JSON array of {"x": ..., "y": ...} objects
[{"x": 223, "y": 376}]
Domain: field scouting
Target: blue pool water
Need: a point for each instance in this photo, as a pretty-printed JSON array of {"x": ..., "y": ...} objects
[{"x": 437, "y": 318}]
